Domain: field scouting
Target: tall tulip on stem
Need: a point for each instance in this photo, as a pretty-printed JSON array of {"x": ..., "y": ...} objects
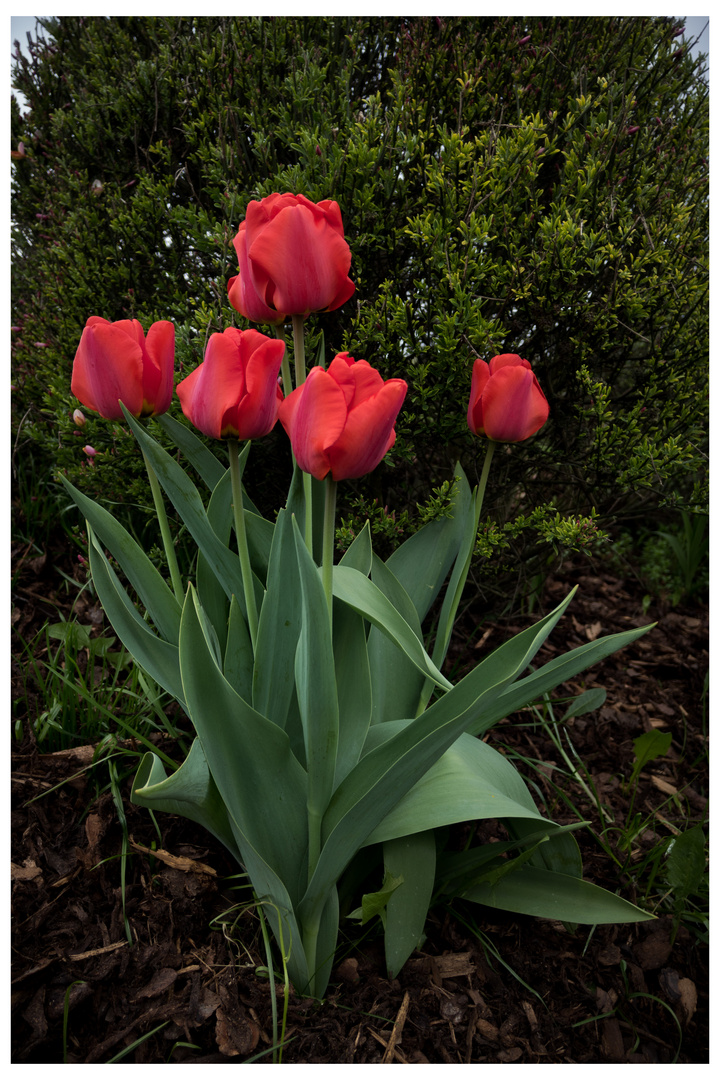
[
  {"x": 234, "y": 394},
  {"x": 506, "y": 405},
  {"x": 117, "y": 365}
]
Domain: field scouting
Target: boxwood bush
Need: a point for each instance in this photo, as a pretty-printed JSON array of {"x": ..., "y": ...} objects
[{"x": 507, "y": 184}]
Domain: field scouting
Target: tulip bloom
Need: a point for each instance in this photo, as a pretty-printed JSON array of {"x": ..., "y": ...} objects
[
  {"x": 115, "y": 362},
  {"x": 506, "y": 402},
  {"x": 293, "y": 259},
  {"x": 234, "y": 393},
  {"x": 342, "y": 421}
]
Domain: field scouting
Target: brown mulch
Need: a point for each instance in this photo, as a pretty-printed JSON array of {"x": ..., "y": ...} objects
[{"x": 524, "y": 991}]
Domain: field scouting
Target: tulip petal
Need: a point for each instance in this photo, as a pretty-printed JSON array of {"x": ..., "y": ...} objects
[
  {"x": 108, "y": 368},
  {"x": 357, "y": 379},
  {"x": 369, "y": 432},
  {"x": 299, "y": 262},
  {"x": 314, "y": 416},
  {"x": 159, "y": 366},
  {"x": 513, "y": 405}
]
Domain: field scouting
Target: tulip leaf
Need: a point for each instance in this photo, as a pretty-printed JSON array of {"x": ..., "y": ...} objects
[
  {"x": 552, "y": 674},
  {"x": 423, "y": 561},
  {"x": 261, "y": 782},
  {"x": 354, "y": 689},
  {"x": 185, "y": 498},
  {"x": 158, "y": 599},
  {"x": 396, "y": 680},
  {"x": 361, "y": 594},
  {"x": 385, "y": 774},
  {"x": 212, "y": 595},
  {"x": 360, "y": 554},
  {"x": 238, "y": 658},
  {"x": 470, "y": 781},
  {"x": 280, "y": 618},
  {"x": 159, "y": 658},
  {"x": 202, "y": 459},
  {"x": 530, "y": 890},
  {"x": 190, "y": 792},
  {"x": 411, "y": 858},
  {"x": 315, "y": 683}
]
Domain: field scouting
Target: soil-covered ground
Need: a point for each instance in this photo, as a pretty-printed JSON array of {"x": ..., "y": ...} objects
[{"x": 174, "y": 948}]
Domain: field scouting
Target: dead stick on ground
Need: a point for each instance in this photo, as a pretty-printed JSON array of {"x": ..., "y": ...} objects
[{"x": 397, "y": 1029}]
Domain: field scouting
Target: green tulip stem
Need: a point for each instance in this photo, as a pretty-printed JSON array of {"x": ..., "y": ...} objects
[
  {"x": 240, "y": 532},
  {"x": 298, "y": 325},
  {"x": 480, "y": 489},
  {"x": 328, "y": 550},
  {"x": 287, "y": 385},
  {"x": 165, "y": 532}
]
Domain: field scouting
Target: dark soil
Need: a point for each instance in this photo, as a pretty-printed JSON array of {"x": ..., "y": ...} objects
[{"x": 524, "y": 991}]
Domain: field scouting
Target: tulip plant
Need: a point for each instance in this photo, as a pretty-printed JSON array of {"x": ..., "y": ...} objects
[{"x": 331, "y": 750}]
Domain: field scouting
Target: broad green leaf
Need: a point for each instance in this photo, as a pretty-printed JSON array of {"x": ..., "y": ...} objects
[
  {"x": 157, "y": 656},
  {"x": 361, "y": 594},
  {"x": 411, "y": 858},
  {"x": 157, "y": 597},
  {"x": 238, "y": 657},
  {"x": 360, "y": 554},
  {"x": 552, "y": 674},
  {"x": 185, "y": 498},
  {"x": 261, "y": 782},
  {"x": 354, "y": 691},
  {"x": 560, "y": 851},
  {"x": 315, "y": 683},
  {"x": 423, "y": 561},
  {"x": 384, "y": 775},
  {"x": 471, "y": 781},
  {"x": 212, "y": 595},
  {"x": 457, "y": 871},
  {"x": 190, "y": 792},
  {"x": 396, "y": 680},
  {"x": 548, "y": 895},
  {"x": 197, "y": 453},
  {"x": 280, "y": 618}
]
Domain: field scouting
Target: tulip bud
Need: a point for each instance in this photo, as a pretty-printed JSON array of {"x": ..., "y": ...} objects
[
  {"x": 293, "y": 259},
  {"x": 506, "y": 402}
]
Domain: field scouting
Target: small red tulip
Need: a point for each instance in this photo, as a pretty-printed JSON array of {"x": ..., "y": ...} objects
[
  {"x": 293, "y": 259},
  {"x": 115, "y": 362},
  {"x": 342, "y": 421},
  {"x": 234, "y": 393},
  {"x": 506, "y": 402}
]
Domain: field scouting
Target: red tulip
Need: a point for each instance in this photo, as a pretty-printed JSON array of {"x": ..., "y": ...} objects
[
  {"x": 115, "y": 362},
  {"x": 235, "y": 392},
  {"x": 506, "y": 402},
  {"x": 342, "y": 421},
  {"x": 293, "y": 259}
]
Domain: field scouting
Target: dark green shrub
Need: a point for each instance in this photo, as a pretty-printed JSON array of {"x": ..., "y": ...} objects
[{"x": 507, "y": 185}]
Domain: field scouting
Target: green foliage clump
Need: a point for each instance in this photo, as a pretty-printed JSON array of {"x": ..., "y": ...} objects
[{"x": 507, "y": 184}]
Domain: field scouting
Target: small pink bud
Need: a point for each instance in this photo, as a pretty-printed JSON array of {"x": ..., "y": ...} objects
[
  {"x": 79, "y": 418},
  {"x": 90, "y": 451},
  {"x": 633, "y": 130},
  {"x": 40, "y": 344},
  {"x": 524, "y": 41}
]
